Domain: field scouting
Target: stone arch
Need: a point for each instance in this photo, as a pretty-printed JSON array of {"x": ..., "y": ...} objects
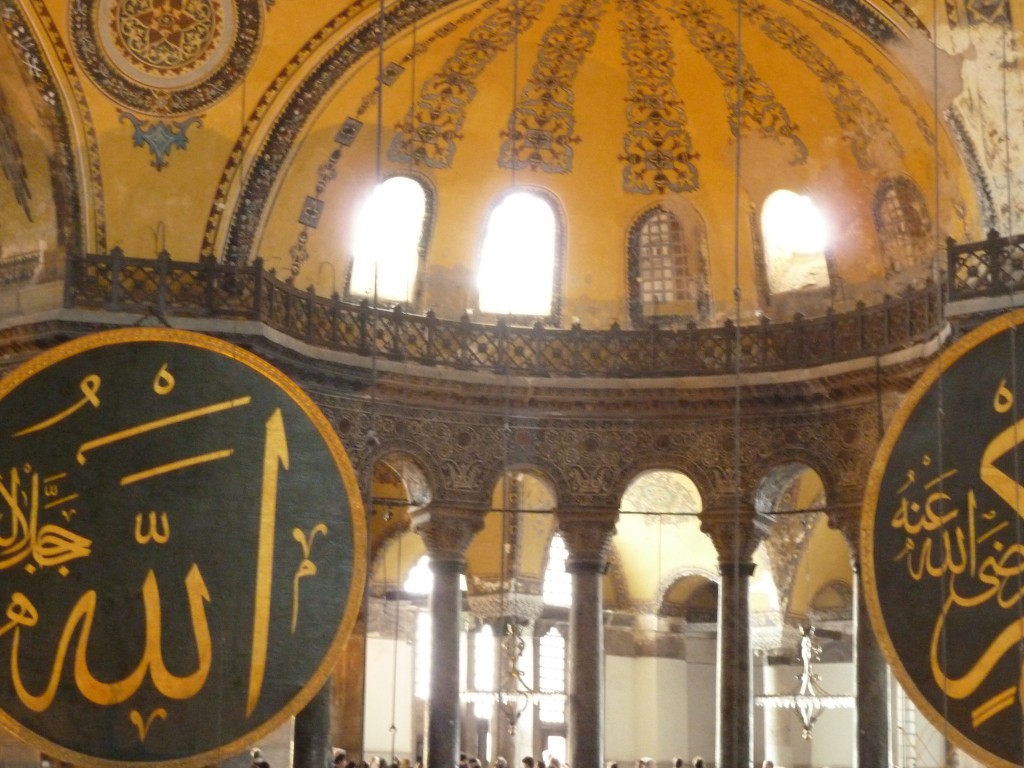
[
  {"x": 658, "y": 533},
  {"x": 689, "y": 593}
]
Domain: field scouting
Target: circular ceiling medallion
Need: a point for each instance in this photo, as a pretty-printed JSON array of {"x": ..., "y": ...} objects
[{"x": 166, "y": 57}]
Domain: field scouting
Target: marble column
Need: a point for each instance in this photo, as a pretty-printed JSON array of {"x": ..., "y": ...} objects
[
  {"x": 587, "y": 537},
  {"x": 735, "y": 535},
  {"x": 446, "y": 533},
  {"x": 872, "y": 690},
  {"x": 312, "y": 731},
  {"x": 872, "y": 712}
]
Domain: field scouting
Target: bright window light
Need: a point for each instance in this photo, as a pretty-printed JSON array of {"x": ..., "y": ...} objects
[
  {"x": 518, "y": 261},
  {"x": 386, "y": 243},
  {"x": 557, "y": 581},
  {"x": 795, "y": 239}
]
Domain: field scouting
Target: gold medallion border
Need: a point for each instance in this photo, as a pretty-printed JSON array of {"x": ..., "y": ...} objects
[
  {"x": 134, "y": 335},
  {"x": 867, "y": 523}
]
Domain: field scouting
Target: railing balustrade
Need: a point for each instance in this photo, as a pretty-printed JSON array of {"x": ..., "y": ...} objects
[{"x": 249, "y": 292}]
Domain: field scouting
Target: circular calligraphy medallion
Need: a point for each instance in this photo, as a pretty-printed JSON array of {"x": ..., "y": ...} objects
[
  {"x": 181, "y": 549},
  {"x": 166, "y": 57},
  {"x": 941, "y": 542}
]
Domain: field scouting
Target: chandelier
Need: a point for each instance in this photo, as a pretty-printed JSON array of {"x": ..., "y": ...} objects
[{"x": 810, "y": 699}]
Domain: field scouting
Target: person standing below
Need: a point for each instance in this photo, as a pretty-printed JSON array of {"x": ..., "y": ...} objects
[{"x": 767, "y": 764}]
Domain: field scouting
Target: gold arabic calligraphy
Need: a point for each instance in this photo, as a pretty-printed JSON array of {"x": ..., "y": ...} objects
[{"x": 960, "y": 544}]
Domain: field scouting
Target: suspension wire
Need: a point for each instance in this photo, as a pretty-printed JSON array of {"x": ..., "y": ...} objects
[
  {"x": 1014, "y": 337},
  {"x": 737, "y": 402},
  {"x": 940, "y": 306}
]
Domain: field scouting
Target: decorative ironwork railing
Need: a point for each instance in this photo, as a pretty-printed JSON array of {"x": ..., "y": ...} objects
[
  {"x": 993, "y": 267},
  {"x": 212, "y": 289}
]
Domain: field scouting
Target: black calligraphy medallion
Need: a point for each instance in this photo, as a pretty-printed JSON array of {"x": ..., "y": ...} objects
[
  {"x": 942, "y": 542},
  {"x": 181, "y": 549}
]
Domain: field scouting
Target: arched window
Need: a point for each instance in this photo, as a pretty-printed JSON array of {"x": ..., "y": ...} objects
[
  {"x": 388, "y": 242},
  {"x": 664, "y": 272},
  {"x": 666, "y": 268},
  {"x": 901, "y": 221},
  {"x": 795, "y": 237},
  {"x": 557, "y": 581},
  {"x": 517, "y": 264},
  {"x": 551, "y": 677}
]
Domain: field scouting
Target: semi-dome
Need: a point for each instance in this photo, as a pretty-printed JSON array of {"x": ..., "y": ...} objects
[{"x": 625, "y": 118}]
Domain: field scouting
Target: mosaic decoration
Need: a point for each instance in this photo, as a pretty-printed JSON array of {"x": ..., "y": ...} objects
[
  {"x": 988, "y": 12},
  {"x": 313, "y": 207},
  {"x": 11, "y": 159},
  {"x": 658, "y": 149},
  {"x": 166, "y": 57},
  {"x": 863, "y": 124},
  {"x": 160, "y": 137},
  {"x": 65, "y": 176},
  {"x": 968, "y": 150},
  {"x": 717, "y": 44},
  {"x": 540, "y": 134},
  {"x": 924, "y": 125},
  {"x": 430, "y": 130}
]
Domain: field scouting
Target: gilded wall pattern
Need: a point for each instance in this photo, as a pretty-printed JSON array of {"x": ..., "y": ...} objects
[
  {"x": 657, "y": 148},
  {"x": 923, "y": 122},
  {"x": 431, "y": 129},
  {"x": 757, "y": 108},
  {"x": 540, "y": 135},
  {"x": 863, "y": 125}
]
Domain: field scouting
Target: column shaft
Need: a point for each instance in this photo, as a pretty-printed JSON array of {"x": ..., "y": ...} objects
[
  {"x": 734, "y": 748},
  {"x": 872, "y": 713},
  {"x": 312, "y": 731},
  {"x": 442, "y": 749},
  {"x": 586, "y": 668}
]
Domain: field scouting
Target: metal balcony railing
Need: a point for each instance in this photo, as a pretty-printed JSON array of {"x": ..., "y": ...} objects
[{"x": 212, "y": 289}]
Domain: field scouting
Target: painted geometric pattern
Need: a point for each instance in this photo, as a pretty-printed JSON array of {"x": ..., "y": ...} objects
[
  {"x": 862, "y": 124},
  {"x": 923, "y": 124},
  {"x": 430, "y": 130},
  {"x": 987, "y": 12},
  {"x": 541, "y": 128},
  {"x": 168, "y": 38},
  {"x": 758, "y": 106},
  {"x": 658, "y": 149}
]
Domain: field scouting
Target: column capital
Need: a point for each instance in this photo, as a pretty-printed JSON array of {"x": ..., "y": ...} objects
[
  {"x": 588, "y": 534},
  {"x": 735, "y": 532},
  {"x": 446, "y": 532}
]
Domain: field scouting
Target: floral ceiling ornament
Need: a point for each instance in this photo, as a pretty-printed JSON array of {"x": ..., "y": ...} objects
[{"x": 166, "y": 57}]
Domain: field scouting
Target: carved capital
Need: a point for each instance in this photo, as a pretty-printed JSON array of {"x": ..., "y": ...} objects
[
  {"x": 588, "y": 535},
  {"x": 446, "y": 532},
  {"x": 735, "y": 533}
]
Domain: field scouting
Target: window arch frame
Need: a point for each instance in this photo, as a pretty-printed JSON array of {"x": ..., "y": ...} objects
[
  {"x": 899, "y": 185},
  {"x": 415, "y": 301},
  {"x": 696, "y": 273},
  {"x": 554, "y": 316},
  {"x": 762, "y": 266}
]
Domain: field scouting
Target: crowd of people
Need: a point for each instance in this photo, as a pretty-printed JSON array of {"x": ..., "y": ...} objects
[{"x": 340, "y": 760}]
